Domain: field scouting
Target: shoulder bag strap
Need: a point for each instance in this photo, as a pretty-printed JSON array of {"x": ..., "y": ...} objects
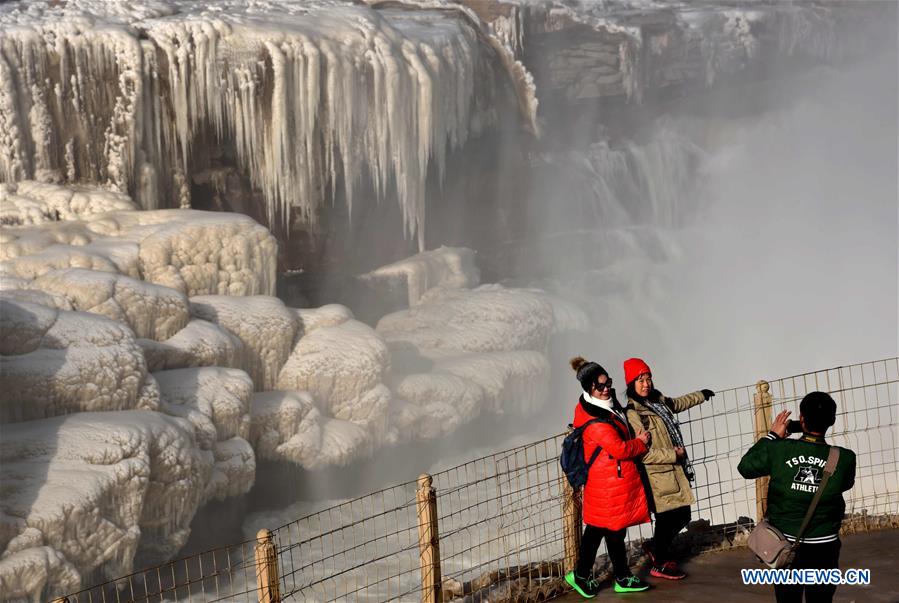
[
  {"x": 833, "y": 458},
  {"x": 598, "y": 448}
]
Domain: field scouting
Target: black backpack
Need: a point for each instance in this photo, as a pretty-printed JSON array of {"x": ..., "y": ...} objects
[{"x": 572, "y": 458}]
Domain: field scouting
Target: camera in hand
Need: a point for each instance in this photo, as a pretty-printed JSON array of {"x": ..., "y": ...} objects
[{"x": 794, "y": 427}]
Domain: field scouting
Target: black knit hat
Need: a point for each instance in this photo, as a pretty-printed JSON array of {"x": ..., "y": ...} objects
[
  {"x": 818, "y": 410},
  {"x": 587, "y": 373}
]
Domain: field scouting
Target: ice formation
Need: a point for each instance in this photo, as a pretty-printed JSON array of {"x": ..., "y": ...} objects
[
  {"x": 152, "y": 311},
  {"x": 215, "y": 400},
  {"x": 264, "y": 325},
  {"x": 79, "y": 362},
  {"x": 329, "y": 315},
  {"x": 343, "y": 367},
  {"x": 91, "y": 492},
  {"x": 156, "y": 317},
  {"x": 282, "y": 81},
  {"x": 451, "y": 267},
  {"x": 31, "y": 202},
  {"x": 200, "y": 343},
  {"x": 193, "y": 252},
  {"x": 489, "y": 318}
]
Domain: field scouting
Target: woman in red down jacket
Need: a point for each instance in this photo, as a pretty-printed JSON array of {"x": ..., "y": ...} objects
[{"x": 613, "y": 497}]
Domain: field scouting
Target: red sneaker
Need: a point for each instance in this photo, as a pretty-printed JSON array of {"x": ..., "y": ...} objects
[{"x": 668, "y": 570}]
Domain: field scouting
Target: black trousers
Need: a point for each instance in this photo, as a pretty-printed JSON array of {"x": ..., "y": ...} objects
[
  {"x": 590, "y": 546},
  {"x": 811, "y": 556},
  {"x": 668, "y": 524}
]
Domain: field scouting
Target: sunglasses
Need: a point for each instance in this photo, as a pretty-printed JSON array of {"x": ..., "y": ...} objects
[{"x": 602, "y": 386}]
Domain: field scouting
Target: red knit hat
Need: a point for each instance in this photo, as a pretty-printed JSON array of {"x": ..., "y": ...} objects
[{"x": 633, "y": 368}]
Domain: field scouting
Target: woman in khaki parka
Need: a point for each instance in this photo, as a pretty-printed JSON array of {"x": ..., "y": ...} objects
[{"x": 668, "y": 467}]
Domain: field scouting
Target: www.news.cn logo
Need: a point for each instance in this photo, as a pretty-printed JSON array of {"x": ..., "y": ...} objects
[{"x": 806, "y": 576}]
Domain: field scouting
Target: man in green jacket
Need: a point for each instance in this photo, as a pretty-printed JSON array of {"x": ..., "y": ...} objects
[{"x": 796, "y": 467}]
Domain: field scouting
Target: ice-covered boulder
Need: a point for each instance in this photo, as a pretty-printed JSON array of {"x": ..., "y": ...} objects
[
  {"x": 85, "y": 494},
  {"x": 458, "y": 387},
  {"x": 430, "y": 405},
  {"x": 343, "y": 367},
  {"x": 30, "y": 571},
  {"x": 515, "y": 381},
  {"x": 208, "y": 253},
  {"x": 31, "y": 202},
  {"x": 215, "y": 400},
  {"x": 449, "y": 267},
  {"x": 265, "y": 326},
  {"x": 489, "y": 318},
  {"x": 568, "y": 317},
  {"x": 33, "y": 296},
  {"x": 194, "y": 252},
  {"x": 56, "y": 257},
  {"x": 200, "y": 343},
  {"x": 287, "y": 426},
  {"x": 23, "y": 324},
  {"x": 82, "y": 362},
  {"x": 234, "y": 470},
  {"x": 329, "y": 315},
  {"x": 152, "y": 311}
]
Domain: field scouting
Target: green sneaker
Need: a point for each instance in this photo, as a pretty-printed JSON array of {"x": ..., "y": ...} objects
[
  {"x": 585, "y": 588},
  {"x": 631, "y": 584}
]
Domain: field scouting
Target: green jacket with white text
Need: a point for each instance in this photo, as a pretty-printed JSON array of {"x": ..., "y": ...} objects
[{"x": 796, "y": 467}]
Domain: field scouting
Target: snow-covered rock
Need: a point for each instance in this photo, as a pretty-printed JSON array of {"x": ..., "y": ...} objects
[
  {"x": 82, "y": 362},
  {"x": 152, "y": 311},
  {"x": 568, "y": 317},
  {"x": 86, "y": 493},
  {"x": 430, "y": 405},
  {"x": 193, "y": 252},
  {"x": 31, "y": 202},
  {"x": 23, "y": 324},
  {"x": 489, "y": 318},
  {"x": 343, "y": 367},
  {"x": 30, "y": 571},
  {"x": 265, "y": 326},
  {"x": 449, "y": 267},
  {"x": 234, "y": 470},
  {"x": 329, "y": 315},
  {"x": 287, "y": 426},
  {"x": 215, "y": 400},
  {"x": 207, "y": 253},
  {"x": 200, "y": 343},
  {"x": 514, "y": 381}
]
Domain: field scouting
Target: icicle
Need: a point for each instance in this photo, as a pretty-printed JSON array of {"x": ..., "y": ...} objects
[{"x": 313, "y": 101}]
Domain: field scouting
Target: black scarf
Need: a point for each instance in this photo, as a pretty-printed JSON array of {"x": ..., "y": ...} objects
[{"x": 656, "y": 403}]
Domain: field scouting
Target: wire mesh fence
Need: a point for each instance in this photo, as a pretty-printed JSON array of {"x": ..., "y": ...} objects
[
  {"x": 223, "y": 574},
  {"x": 498, "y": 521},
  {"x": 365, "y": 549}
]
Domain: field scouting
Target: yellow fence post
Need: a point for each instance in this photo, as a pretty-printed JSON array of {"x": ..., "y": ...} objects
[
  {"x": 762, "y": 399},
  {"x": 571, "y": 522},
  {"x": 267, "y": 568},
  {"x": 428, "y": 539}
]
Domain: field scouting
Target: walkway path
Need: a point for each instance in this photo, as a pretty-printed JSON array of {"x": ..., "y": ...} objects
[{"x": 715, "y": 577}]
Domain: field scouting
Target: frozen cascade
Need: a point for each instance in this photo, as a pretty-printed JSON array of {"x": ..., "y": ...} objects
[
  {"x": 618, "y": 182},
  {"x": 313, "y": 96}
]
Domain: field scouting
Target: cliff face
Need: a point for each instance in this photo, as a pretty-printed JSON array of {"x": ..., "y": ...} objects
[{"x": 583, "y": 50}]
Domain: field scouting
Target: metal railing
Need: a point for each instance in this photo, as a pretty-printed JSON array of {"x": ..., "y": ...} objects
[{"x": 497, "y": 525}]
